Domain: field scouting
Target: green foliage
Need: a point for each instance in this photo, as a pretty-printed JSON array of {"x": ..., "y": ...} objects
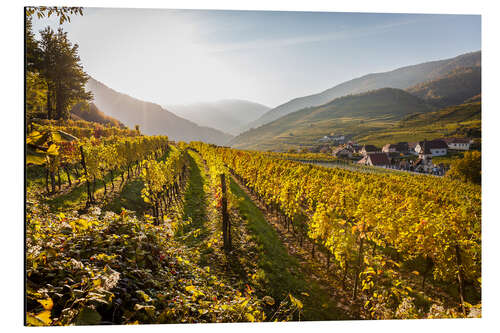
[
  {"x": 109, "y": 268},
  {"x": 53, "y": 66},
  {"x": 413, "y": 216},
  {"x": 60, "y": 66},
  {"x": 468, "y": 168},
  {"x": 36, "y": 94},
  {"x": 62, "y": 12},
  {"x": 32, "y": 50}
]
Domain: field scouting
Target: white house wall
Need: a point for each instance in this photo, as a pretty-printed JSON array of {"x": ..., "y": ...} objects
[{"x": 439, "y": 152}]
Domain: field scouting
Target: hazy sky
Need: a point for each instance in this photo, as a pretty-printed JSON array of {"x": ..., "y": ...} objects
[{"x": 184, "y": 56}]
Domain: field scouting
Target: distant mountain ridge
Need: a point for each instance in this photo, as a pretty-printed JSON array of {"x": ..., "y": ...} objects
[
  {"x": 228, "y": 115},
  {"x": 344, "y": 115},
  {"x": 402, "y": 78},
  {"x": 451, "y": 89},
  {"x": 151, "y": 118}
]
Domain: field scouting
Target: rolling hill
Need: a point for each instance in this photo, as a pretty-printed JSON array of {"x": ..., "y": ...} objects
[
  {"x": 451, "y": 89},
  {"x": 457, "y": 120},
  {"x": 401, "y": 78},
  {"x": 229, "y": 115},
  {"x": 151, "y": 118},
  {"x": 351, "y": 115}
]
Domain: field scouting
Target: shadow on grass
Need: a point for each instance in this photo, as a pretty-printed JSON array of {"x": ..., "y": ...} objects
[
  {"x": 195, "y": 205},
  {"x": 282, "y": 272},
  {"x": 129, "y": 198},
  {"x": 77, "y": 196}
]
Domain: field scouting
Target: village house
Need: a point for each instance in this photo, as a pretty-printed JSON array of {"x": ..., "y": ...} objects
[
  {"x": 433, "y": 148},
  {"x": 400, "y": 147},
  {"x": 389, "y": 148},
  {"x": 376, "y": 159},
  {"x": 458, "y": 143},
  {"x": 339, "y": 138},
  {"x": 368, "y": 149},
  {"x": 342, "y": 152},
  {"x": 354, "y": 146},
  {"x": 411, "y": 148}
]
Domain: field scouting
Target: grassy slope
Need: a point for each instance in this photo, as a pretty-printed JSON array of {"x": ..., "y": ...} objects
[
  {"x": 262, "y": 253},
  {"x": 353, "y": 114},
  {"x": 282, "y": 271},
  {"x": 453, "y": 120},
  {"x": 195, "y": 203}
]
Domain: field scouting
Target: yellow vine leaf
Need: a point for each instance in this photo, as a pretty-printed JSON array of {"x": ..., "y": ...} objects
[
  {"x": 296, "y": 301},
  {"x": 46, "y": 303}
]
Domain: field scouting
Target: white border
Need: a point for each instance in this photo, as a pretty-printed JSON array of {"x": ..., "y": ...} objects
[{"x": 12, "y": 161}]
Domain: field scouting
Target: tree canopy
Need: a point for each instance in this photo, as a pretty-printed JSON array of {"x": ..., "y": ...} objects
[
  {"x": 63, "y": 12},
  {"x": 55, "y": 79},
  {"x": 468, "y": 168}
]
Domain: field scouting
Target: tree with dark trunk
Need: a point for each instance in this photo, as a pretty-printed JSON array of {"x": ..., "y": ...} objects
[{"x": 61, "y": 68}]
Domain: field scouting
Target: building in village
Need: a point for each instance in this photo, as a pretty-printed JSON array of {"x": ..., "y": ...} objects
[
  {"x": 389, "y": 148},
  {"x": 458, "y": 143},
  {"x": 376, "y": 159},
  {"x": 369, "y": 149},
  {"x": 342, "y": 152},
  {"x": 411, "y": 148},
  {"x": 338, "y": 139},
  {"x": 356, "y": 148},
  {"x": 400, "y": 147},
  {"x": 433, "y": 148}
]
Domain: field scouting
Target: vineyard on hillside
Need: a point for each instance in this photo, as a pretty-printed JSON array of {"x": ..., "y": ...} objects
[{"x": 123, "y": 228}]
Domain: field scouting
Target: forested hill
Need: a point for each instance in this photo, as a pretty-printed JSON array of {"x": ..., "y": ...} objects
[
  {"x": 348, "y": 114},
  {"x": 451, "y": 89},
  {"x": 401, "y": 78},
  {"x": 151, "y": 118}
]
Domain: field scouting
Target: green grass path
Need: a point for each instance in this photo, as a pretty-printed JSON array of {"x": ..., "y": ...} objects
[
  {"x": 195, "y": 205},
  {"x": 283, "y": 273},
  {"x": 280, "y": 273}
]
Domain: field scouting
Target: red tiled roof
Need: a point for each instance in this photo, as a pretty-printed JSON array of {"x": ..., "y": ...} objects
[{"x": 379, "y": 159}]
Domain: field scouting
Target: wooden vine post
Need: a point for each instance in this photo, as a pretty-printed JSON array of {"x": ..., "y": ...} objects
[
  {"x": 89, "y": 193},
  {"x": 460, "y": 279},
  {"x": 226, "y": 224}
]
